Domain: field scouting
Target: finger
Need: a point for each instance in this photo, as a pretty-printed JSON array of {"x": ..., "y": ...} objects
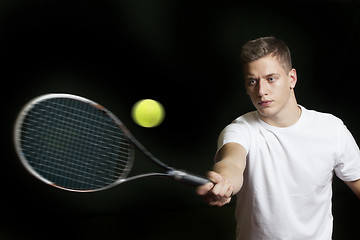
[
  {"x": 230, "y": 191},
  {"x": 224, "y": 197},
  {"x": 224, "y": 201},
  {"x": 220, "y": 202},
  {"x": 214, "y": 177},
  {"x": 227, "y": 189},
  {"x": 222, "y": 188},
  {"x": 217, "y": 188},
  {"x": 204, "y": 189}
]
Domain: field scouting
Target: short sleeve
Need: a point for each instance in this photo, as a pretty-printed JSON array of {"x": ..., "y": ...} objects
[
  {"x": 235, "y": 132},
  {"x": 347, "y": 167}
]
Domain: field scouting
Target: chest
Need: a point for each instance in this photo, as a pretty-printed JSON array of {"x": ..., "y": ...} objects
[{"x": 297, "y": 162}]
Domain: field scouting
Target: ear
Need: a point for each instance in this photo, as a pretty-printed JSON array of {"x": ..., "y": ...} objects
[{"x": 292, "y": 78}]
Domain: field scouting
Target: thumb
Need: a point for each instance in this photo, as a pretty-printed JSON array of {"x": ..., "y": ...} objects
[{"x": 214, "y": 177}]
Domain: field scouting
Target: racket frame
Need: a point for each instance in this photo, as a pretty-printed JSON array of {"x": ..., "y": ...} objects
[{"x": 178, "y": 175}]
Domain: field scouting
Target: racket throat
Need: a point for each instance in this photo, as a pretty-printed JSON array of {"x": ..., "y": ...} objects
[
  {"x": 187, "y": 178},
  {"x": 176, "y": 174}
]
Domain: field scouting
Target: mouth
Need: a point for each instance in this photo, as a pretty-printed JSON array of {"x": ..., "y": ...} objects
[{"x": 265, "y": 103}]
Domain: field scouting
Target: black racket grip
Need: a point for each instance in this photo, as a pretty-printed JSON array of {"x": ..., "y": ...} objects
[{"x": 189, "y": 178}]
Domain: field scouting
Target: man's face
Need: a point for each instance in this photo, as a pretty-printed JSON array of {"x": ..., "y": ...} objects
[{"x": 270, "y": 88}]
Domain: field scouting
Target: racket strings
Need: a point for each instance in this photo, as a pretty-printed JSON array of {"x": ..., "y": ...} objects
[{"x": 74, "y": 145}]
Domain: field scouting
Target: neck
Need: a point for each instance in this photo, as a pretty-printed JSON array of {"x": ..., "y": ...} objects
[{"x": 286, "y": 116}]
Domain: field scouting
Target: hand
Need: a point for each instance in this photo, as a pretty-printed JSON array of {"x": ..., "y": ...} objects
[{"x": 218, "y": 192}]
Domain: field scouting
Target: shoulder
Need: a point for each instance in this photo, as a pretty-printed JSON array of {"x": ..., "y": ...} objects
[
  {"x": 243, "y": 123},
  {"x": 248, "y": 118},
  {"x": 239, "y": 131},
  {"x": 322, "y": 118}
]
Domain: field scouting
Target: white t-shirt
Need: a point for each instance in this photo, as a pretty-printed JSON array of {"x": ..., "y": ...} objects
[{"x": 287, "y": 186}]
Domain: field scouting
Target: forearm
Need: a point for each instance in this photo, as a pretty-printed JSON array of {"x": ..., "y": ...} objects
[
  {"x": 231, "y": 172},
  {"x": 355, "y": 187},
  {"x": 231, "y": 163},
  {"x": 227, "y": 175}
]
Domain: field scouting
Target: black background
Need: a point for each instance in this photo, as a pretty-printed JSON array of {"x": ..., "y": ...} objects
[{"x": 184, "y": 54}]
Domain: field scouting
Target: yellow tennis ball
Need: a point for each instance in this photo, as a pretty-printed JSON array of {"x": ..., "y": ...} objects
[{"x": 148, "y": 113}]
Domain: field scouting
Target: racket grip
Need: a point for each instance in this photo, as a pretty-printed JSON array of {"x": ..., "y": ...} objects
[{"x": 189, "y": 178}]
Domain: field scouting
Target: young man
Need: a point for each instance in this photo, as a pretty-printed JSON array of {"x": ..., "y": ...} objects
[{"x": 280, "y": 159}]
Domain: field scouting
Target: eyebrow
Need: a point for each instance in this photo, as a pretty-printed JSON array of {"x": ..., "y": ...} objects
[
  {"x": 251, "y": 76},
  {"x": 272, "y": 75}
]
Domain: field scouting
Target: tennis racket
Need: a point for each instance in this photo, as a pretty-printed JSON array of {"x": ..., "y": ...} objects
[{"x": 75, "y": 144}]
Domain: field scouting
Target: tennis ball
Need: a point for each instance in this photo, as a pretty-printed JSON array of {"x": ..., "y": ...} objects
[{"x": 148, "y": 113}]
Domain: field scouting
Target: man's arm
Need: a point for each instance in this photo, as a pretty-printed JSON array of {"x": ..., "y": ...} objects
[
  {"x": 355, "y": 187},
  {"x": 227, "y": 175}
]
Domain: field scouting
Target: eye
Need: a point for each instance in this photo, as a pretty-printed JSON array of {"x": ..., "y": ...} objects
[
  {"x": 252, "y": 82},
  {"x": 271, "y": 79}
]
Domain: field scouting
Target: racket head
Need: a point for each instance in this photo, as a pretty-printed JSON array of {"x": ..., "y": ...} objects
[{"x": 72, "y": 143}]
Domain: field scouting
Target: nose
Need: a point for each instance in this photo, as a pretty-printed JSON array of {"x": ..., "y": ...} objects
[{"x": 262, "y": 88}]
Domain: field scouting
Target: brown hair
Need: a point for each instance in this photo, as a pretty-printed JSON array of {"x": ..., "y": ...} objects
[{"x": 261, "y": 47}]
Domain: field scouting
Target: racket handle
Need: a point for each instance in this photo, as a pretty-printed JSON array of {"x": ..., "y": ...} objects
[{"x": 188, "y": 178}]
